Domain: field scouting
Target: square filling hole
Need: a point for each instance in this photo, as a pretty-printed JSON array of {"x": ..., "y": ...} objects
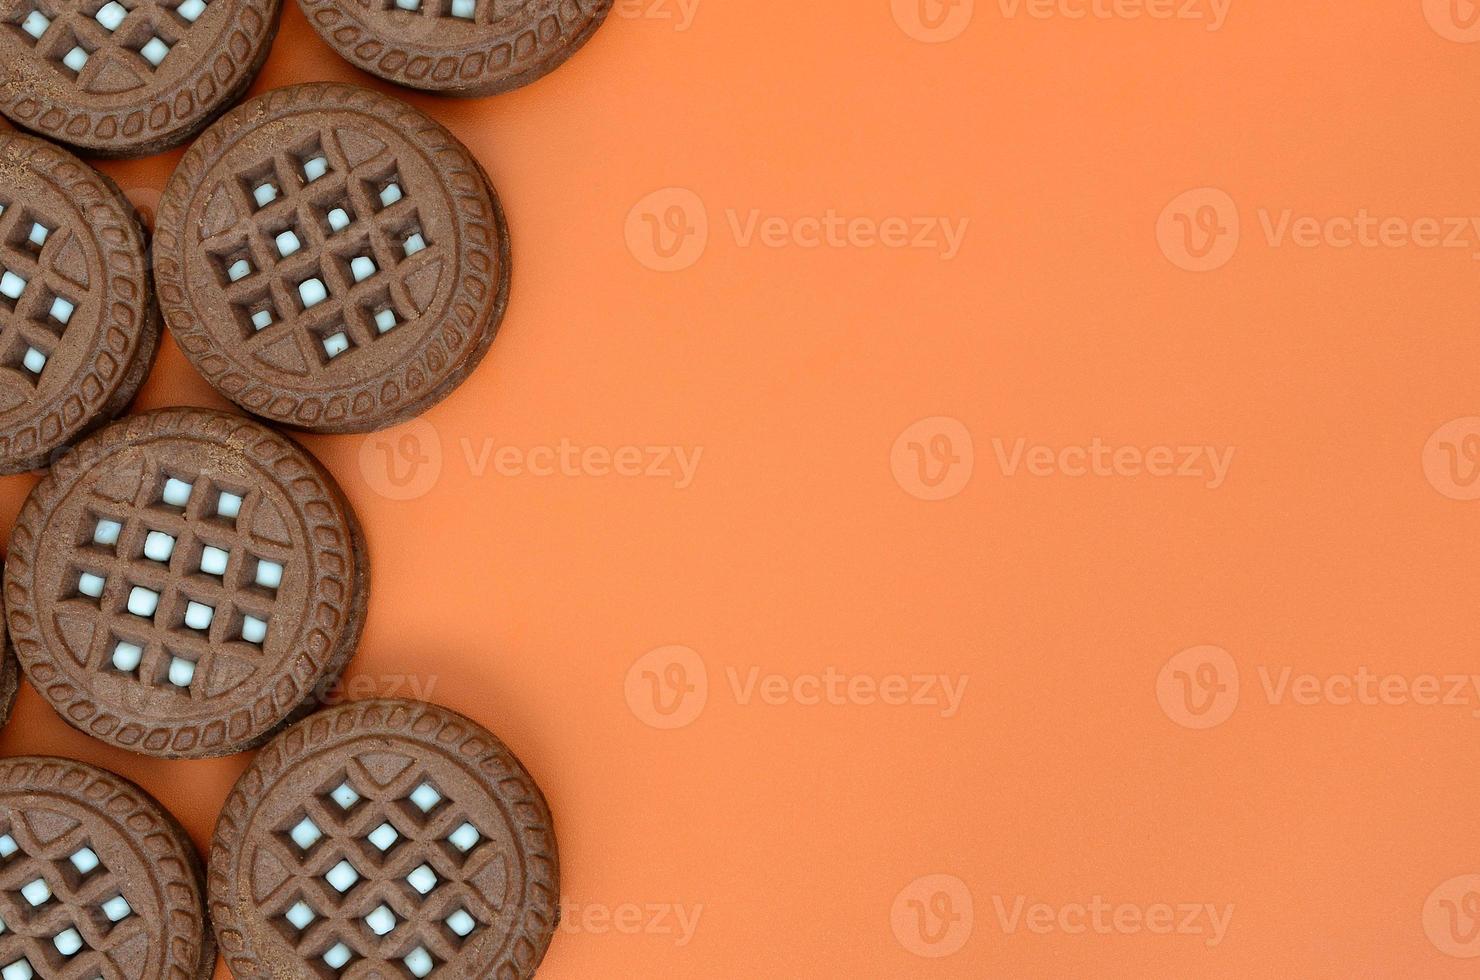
[
  {"x": 378, "y": 313},
  {"x": 255, "y": 316},
  {"x": 111, "y": 15},
  {"x": 190, "y": 10},
  {"x": 174, "y": 493},
  {"x": 56, "y": 312},
  {"x": 335, "y": 216},
  {"x": 177, "y": 673},
  {"x": 34, "y": 25},
  {"x": 125, "y": 656},
  {"x": 227, "y": 505},
  {"x": 153, "y": 50},
  {"x": 261, "y": 185},
  {"x": 234, "y": 264},
  {"x": 386, "y": 190},
  {"x": 310, "y": 160},
  {"x": 311, "y": 290},
  {"x": 25, "y": 359},
  {"x": 333, "y": 342}
]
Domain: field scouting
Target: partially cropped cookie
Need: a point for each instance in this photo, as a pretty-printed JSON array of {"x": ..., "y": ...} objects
[
  {"x": 126, "y": 78},
  {"x": 331, "y": 259},
  {"x": 457, "y": 47},
  {"x": 78, "y": 322},
  {"x": 385, "y": 839},
  {"x": 184, "y": 582},
  {"x": 98, "y": 880}
]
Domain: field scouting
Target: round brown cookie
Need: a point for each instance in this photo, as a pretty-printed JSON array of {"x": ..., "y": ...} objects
[
  {"x": 78, "y": 322},
  {"x": 331, "y": 259},
  {"x": 184, "y": 582},
  {"x": 457, "y": 47},
  {"x": 96, "y": 879},
  {"x": 385, "y": 839},
  {"x": 128, "y": 78}
]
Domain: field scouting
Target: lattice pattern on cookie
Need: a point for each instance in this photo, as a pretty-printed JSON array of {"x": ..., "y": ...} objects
[
  {"x": 63, "y": 913},
  {"x": 378, "y": 874},
  {"x": 105, "y": 45},
  {"x": 175, "y": 580},
  {"x": 321, "y": 250},
  {"x": 37, "y": 301}
]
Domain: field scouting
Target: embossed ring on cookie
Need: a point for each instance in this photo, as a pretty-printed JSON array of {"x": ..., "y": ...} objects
[
  {"x": 78, "y": 322},
  {"x": 457, "y": 47},
  {"x": 331, "y": 259},
  {"x": 96, "y": 879},
  {"x": 127, "y": 78},
  {"x": 184, "y": 582},
  {"x": 385, "y": 839}
]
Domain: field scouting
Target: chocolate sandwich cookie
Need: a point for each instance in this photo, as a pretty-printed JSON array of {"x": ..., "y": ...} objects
[
  {"x": 331, "y": 259},
  {"x": 96, "y": 879},
  {"x": 78, "y": 322},
  {"x": 384, "y": 839},
  {"x": 126, "y": 78},
  {"x": 457, "y": 47},
  {"x": 184, "y": 582}
]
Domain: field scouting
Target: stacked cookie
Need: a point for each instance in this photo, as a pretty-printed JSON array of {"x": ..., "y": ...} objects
[{"x": 182, "y": 583}]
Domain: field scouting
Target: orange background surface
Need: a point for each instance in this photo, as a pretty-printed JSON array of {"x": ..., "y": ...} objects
[{"x": 871, "y": 840}]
